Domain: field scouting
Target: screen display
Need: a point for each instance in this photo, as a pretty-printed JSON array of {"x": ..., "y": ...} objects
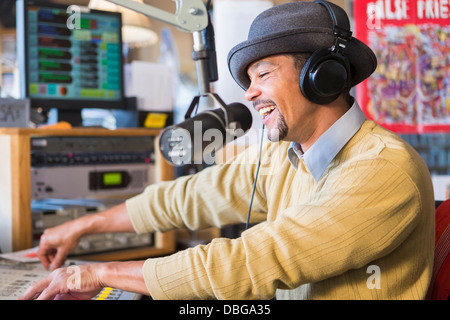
[
  {"x": 112, "y": 179},
  {"x": 101, "y": 180},
  {"x": 72, "y": 56},
  {"x": 73, "y": 63}
]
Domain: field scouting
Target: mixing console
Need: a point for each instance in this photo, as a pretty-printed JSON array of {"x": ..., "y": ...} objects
[{"x": 16, "y": 277}]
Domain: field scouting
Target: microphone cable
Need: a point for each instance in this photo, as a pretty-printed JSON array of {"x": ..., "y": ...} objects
[{"x": 256, "y": 179}]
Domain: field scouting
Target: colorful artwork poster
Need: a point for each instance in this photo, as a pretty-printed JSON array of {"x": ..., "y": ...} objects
[{"x": 410, "y": 90}]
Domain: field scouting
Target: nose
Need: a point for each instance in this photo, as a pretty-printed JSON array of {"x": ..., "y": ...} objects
[{"x": 252, "y": 92}]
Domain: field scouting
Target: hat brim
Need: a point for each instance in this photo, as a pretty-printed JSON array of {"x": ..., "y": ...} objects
[{"x": 362, "y": 60}]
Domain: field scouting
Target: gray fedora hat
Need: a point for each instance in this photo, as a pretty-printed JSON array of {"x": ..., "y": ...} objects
[{"x": 295, "y": 27}]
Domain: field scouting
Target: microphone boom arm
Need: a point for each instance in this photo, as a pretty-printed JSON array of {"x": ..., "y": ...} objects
[{"x": 190, "y": 15}]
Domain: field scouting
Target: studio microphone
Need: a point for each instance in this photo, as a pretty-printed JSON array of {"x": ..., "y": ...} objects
[{"x": 197, "y": 139}]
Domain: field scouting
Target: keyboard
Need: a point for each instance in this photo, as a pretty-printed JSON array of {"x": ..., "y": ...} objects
[{"x": 16, "y": 277}]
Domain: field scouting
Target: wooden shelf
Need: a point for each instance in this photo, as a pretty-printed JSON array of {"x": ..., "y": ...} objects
[{"x": 15, "y": 189}]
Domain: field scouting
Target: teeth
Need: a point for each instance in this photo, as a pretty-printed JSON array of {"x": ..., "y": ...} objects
[{"x": 266, "y": 110}]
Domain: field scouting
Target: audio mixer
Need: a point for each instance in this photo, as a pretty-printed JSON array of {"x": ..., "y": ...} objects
[
  {"x": 50, "y": 213},
  {"x": 91, "y": 166},
  {"x": 72, "y": 176},
  {"x": 16, "y": 277}
]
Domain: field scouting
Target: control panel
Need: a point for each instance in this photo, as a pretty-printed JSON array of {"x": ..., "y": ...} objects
[
  {"x": 51, "y": 164},
  {"x": 74, "y": 167},
  {"x": 52, "y": 212},
  {"x": 74, "y": 176},
  {"x": 16, "y": 277}
]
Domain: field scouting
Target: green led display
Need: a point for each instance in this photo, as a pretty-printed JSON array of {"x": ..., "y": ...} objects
[{"x": 112, "y": 179}]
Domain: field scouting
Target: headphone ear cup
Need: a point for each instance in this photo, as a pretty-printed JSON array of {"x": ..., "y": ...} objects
[
  {"x": 324, "y": 76},
  {"x": 304, "y": 88}
]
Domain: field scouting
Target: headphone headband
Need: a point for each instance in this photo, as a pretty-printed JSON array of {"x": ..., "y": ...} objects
[
  {"x": 341, "y": 25},
  {"x": 327, "y": 71}
]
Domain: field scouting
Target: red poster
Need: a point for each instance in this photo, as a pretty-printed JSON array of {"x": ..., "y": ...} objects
[{"x": 410, "y": 90}]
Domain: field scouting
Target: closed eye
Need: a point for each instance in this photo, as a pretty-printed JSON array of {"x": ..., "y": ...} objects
[
  {"x": 262, "y": 74},
  {"x": 260, "y": 69}
]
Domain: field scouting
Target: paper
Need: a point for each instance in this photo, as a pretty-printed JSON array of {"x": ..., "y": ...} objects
[
  {"x": 151, "y": 83},
  {"x": 28, "y": 255},
  {"x": 441, "y": 186}
]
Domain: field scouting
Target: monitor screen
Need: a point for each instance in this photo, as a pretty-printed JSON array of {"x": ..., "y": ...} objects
[{"x": 70, "y": 58}]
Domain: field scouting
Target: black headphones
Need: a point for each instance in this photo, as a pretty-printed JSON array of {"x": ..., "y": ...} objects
[{"x": 327, "y": 71}]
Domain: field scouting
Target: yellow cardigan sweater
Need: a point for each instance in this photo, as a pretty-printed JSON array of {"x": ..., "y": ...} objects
[{"x": 364, "y": 230}]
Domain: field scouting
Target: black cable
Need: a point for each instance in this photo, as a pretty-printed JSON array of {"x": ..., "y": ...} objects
[
  {"x": 208, "y": 5},
  {"x": 256, "y": 178}
]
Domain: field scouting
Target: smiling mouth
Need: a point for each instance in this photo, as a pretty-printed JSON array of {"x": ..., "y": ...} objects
[{"x": 264, "y": 112}]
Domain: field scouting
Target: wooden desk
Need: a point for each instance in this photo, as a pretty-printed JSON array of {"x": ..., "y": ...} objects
[{"x": 15, "y": 189}]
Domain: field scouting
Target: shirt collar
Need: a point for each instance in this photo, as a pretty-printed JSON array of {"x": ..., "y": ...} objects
[{"x": 323, "y": 151}]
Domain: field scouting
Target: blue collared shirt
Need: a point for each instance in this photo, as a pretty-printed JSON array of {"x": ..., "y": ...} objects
[{"x": 323, "y": 151}]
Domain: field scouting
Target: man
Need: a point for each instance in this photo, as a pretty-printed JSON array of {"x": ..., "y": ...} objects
[{"x": 345, "y": 208}]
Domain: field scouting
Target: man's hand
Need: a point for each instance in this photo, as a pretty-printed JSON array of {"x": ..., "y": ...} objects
[
  {"x": 86, "y": 281},
  {"x": 56, "y": 243},
  {"x": 71, "y": 283}
]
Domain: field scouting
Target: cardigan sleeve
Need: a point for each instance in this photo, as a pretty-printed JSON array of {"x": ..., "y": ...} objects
[
  {"x": 364, "y": 213},
  {"x": 215, "y": 197}
]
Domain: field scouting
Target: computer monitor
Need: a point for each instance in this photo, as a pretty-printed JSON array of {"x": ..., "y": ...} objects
[{"x": 70, "y": 58}]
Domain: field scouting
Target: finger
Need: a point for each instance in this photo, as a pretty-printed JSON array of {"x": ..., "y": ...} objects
[
  {"x": 44, "y": 254},
  {"x": 44, "y": 260},
  {"x": 58, "y": 260},
  {"x": 36, "y": 289},
  {"x": 48, "y": 293}
]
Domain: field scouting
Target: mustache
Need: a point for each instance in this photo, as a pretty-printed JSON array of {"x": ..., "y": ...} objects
[{"x": 258, "y": 102}]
